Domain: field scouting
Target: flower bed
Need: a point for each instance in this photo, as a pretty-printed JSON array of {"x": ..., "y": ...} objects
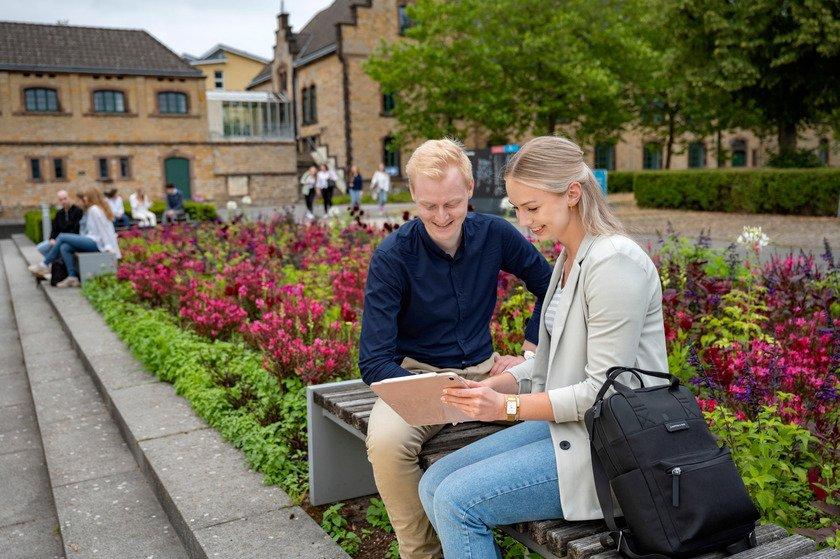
[{"x": 241, "y": 316}]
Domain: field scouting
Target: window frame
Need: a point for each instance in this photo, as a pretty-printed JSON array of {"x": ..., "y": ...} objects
[
  {"x": 404, "y": 22},
  {"x": 129, "y": 167},
  {"x": 705, "y": 154},
  {"x": 31, "y": 166},
  {"x": 218, "y": 79},
  {"x": 172, "y": 92},
  {"x": 746, "y": 147},
  {"x": 610, "y": 146},
  {"x": 389, "y": 156},
  {"x": 94, "y": 93},
  {"x": 824, "y": 151},
  {"x": 53, "y": 90},
  {"x": 309, "y": 105},
  {"x": 63, "y": 177},
  {"x": 385, "y": 110},
  {"x": 646, "y": 151},
  {"x": 99, "y": 175}
]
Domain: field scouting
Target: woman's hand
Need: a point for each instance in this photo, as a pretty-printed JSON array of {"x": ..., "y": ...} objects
[
  {"x": 505, "y": 362},
  {"x": 480, "y": 402}
]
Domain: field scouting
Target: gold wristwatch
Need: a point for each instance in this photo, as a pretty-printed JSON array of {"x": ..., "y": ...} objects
[{"x": 512, "y": 407}]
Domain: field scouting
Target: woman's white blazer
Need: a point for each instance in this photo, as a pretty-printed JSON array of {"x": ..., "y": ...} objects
[{"x": 610, "y": 313}]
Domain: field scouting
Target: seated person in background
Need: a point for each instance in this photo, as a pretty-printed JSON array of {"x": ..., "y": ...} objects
[
  {"x": 174, "y": 204},
  {"x": 97, "y": 234},
  {"x": 140, "y": 211},
  {"x": 117, "y": 208},
  {"x": 430, "y": 295},
  {"x": 66, "y": 220}
]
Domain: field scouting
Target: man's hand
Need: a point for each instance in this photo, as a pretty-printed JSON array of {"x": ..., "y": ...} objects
[
  {"x": 505, "y": 362},
  {"x": 478, "y": 401},
  {"x": 52, "y": 242}
]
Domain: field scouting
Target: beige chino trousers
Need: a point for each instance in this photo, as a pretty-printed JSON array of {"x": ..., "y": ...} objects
[{"x": 393, "y": 448}]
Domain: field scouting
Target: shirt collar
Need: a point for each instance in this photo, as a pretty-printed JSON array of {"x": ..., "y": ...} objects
[{"x": 466, "y": 234}]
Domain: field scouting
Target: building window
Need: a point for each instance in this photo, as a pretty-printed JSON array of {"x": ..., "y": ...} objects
[
  {"x": 605, "y": 156},
  {"x": 823, "y": 151},
  {"x": 59, "y": 170},
  {"x": 35, "y": 173},
  {"x": 172, "y": 103},
  {"x": 107, "y": 101},
  {"x": 125, "y": 167},
  {"x": 390, "y": 156},
  {"x": 403, "y": 20},
  {"x": 102, "y": 168},
  {"x": 218, "y": 79},
  {"x": 310, "y": 105},
  {"x": 739, "y": 153},
  {"x": 696, "y": 155},
  {"x": 389, "y": 102},
  {"x": 41, "y": 100},
  {"x": 652, "y": 156}
]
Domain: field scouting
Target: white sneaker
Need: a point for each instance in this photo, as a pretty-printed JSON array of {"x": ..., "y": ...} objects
[
  {"x": 69, "y": 281},
  {"x": 39, "y": 270},
  {"x": 310, "y": 215}
]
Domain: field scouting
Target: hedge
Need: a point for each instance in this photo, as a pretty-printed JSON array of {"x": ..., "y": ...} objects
[
  {"x": 620, "y": 181},
  {"x": 199, "y": 211},
  {"x": 781, "y": 191}
]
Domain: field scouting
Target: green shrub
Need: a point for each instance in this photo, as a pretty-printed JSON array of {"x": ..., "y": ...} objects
[
  {"x": 224, "y": 382},
  {"x": 787, "y": 191},
  {"x": 797, "y": 158},
  {"x": 620, "y": 181},
  {"x": 200, "y": 211},
  {"x": 32, "y": 224},
  {"x": 398, "y": 197}
]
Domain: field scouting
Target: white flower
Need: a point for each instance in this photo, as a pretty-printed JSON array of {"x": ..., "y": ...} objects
[
  {"x": 246, "y": 200},
  {"x": 752, "y": 236},
  {"x": 231, "y": 205}
]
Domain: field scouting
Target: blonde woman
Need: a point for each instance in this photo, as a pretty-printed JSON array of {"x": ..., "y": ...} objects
[
  {"x": 96, "y": 234},
  {"x": 603, "y": 308},
  {"x": 140, "y": 211}
]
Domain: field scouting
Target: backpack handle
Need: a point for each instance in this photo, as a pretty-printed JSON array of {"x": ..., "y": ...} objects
[{"x": 614, "y": 372}]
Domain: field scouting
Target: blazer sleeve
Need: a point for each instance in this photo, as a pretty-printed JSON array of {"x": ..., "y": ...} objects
[{"x": 617, "y": 291}]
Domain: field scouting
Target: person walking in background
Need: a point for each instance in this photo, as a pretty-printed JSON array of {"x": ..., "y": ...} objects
[
  {"x": 325, "y": 183},
  {"x": 380, "y": 184},
  {"x": 140, "y": 209},
  {"x": 96, "y": 234},
  {"x": 307, "y": 188},
  {"x": 355, "y": 187},
  {"x": 174, "y": 204},
  {"x": 117, "y": 208},
  {"x": 66, "y": 220}
]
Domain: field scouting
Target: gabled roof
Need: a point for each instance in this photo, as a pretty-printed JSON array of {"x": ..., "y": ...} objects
[
  {"x": 65, "y": 48},
  {"x": 319, "y": 36},
  {"x": 263, "y": 76},
  {"x": 218, "y": 53}
]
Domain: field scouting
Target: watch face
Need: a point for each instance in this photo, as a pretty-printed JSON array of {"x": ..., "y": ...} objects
[{"x": 511, "y": 408}]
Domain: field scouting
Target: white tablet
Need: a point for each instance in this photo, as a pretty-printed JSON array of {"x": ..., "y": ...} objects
[{"x": 417, "y": 398}]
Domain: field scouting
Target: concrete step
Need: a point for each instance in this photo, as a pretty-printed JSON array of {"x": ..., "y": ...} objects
[
  {"x": 103, "y": 503},
  {"x": 28, "y": 521},
  {"x": 218, "y": 506}
]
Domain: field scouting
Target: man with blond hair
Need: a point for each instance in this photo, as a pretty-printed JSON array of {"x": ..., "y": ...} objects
[{"x": 429, "y": 299}]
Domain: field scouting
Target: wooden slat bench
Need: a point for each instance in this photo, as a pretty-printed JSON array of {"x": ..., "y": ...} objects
[{"x": 337, "y": 421}]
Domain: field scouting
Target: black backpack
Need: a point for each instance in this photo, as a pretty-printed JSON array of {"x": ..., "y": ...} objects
[
  {"x": 58, "y": 271},
  {"x": 680, "y": 493}
]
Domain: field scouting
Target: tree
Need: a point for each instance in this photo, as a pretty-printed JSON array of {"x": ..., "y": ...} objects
[
  {"x": 776, "y": 61},
  {"x": 512, "y": 66}
]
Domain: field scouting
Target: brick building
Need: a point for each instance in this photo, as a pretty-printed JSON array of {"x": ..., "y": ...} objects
[
  {"x": 342, "y": 111},
  {"x": 116, "y": 108},
  {"x": 339, "y": 110}
]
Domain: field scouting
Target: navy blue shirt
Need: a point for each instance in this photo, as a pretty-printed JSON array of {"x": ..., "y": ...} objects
[{"x": 422, "y": 303}]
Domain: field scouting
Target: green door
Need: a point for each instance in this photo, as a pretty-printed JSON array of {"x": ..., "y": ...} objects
[{"x": 177, "y": 171}]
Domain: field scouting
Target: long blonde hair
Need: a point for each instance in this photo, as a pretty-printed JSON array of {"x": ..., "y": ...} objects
[
  {"x": 91, "y": 196},
  {"x": 552, "y": 163}
]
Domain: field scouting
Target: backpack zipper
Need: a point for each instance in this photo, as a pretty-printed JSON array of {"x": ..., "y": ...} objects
[{"x": 677, "y": 471}]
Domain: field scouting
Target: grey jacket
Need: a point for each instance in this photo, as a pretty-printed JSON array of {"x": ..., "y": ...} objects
[{"x": 610, "y": 313}]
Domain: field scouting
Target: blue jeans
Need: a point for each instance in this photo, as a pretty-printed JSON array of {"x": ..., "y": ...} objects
[
  {"x": 355, "y": 197},
  {"x": 66, "y": 245},
  {"x": 508, "y": 477},
  {"x": 382, "y": 197},
  {"x": 44, "y": 247}
]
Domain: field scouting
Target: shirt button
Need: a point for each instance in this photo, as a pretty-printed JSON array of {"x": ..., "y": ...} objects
[{"x": 565, "y": 445}]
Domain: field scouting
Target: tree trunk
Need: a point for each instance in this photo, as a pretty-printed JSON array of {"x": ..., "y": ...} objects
[
  {"x": 551, "y": 123},
  {"x": 787, "y": 136},
  {"x": 669, "y": 148},
  {"x": 719, "y": 143}
]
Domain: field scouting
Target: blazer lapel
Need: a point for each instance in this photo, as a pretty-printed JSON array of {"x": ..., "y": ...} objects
[{"x": 567, "y": 296}]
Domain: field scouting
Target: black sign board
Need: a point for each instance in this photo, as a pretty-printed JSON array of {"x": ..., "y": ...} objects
[{"x": 488, "y": 171}]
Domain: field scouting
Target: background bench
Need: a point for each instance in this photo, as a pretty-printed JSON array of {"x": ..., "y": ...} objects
[{"x": 337, "y": 422}]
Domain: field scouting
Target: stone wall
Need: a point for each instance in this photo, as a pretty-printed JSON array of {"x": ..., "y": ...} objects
[{"x": 326, "y": 75}]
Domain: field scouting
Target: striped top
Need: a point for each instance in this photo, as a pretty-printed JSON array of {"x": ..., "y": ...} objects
[{"x": 551, "y": 310}]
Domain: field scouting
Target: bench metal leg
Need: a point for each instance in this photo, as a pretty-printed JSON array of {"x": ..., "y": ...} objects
[{"x": 338, "y": 464}]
